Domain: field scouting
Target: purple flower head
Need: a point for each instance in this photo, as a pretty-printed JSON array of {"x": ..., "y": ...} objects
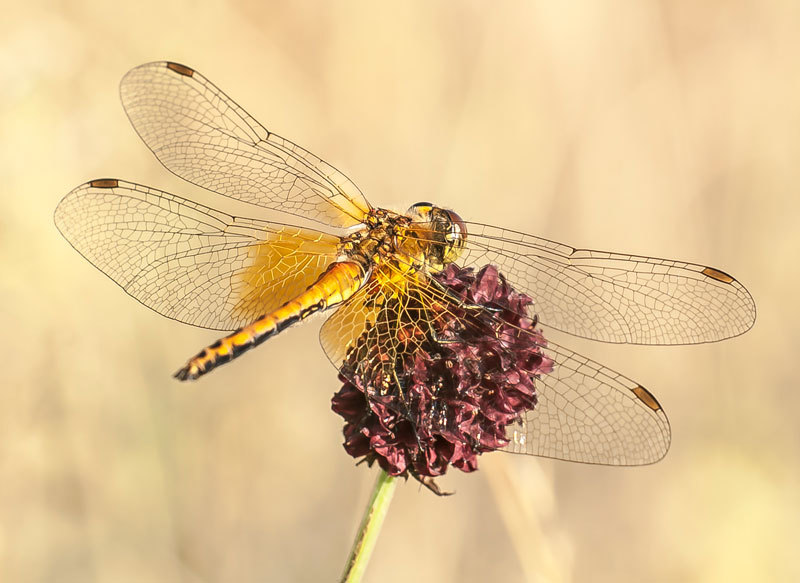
[{"x": 420, "y": 394}]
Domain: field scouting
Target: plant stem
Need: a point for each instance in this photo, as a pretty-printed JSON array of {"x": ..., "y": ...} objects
[{"x": 370, "y": 528}]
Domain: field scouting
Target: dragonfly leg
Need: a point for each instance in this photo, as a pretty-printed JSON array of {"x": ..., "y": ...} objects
[{"x": 430, "y": 483}]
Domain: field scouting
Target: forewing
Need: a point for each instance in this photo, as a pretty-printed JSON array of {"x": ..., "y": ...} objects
[
  {"x": 201, "y": 135},
  {"x": 591, "y": 414},
  {"x": 187, "y": 261},
  {"x": 615, "y": 297}
]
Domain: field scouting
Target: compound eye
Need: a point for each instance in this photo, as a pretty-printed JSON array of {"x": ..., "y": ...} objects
[
  {"x": 458, "y": 229},
  {"x": 455, "y": 237},
  {"x": 420, "y": 210}
]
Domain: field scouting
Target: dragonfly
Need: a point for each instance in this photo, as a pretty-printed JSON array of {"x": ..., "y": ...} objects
[{"x": 254, "y": 278}]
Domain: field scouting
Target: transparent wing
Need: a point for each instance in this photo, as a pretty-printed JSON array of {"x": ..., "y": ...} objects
[
  {"x": 585, "y": 412},
  {"x": 343, "y": 328},
  {"x": 591, "y": 414},
  {"x": 615, "y": 297},
  {"x": 201, "y": 135},
  {"x": 187, "y": 261}
]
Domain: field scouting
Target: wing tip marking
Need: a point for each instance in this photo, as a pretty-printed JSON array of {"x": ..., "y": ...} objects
[
  {"x": 104, "y": 183},
  {"x": 720, "y": 276},
  {"x": 180, "y": 69},
  {"x": 646, "y": 397}
]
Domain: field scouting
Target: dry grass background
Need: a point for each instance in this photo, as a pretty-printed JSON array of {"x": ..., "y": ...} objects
[{"x": 667, "y": 128}]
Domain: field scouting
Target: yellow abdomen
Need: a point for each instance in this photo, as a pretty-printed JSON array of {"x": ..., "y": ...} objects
[{"x": 340, "y": 281}]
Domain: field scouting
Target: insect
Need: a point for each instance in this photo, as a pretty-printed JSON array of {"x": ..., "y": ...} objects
[{"x": 207, "y": 268}]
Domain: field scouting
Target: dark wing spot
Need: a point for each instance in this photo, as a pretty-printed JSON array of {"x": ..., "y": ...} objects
[
  {"x": 646, "y": 397},
  {"x": 717, "y": 274},
  {"x": 180, "y": 69},
  {"x": 104, "y": 183}
]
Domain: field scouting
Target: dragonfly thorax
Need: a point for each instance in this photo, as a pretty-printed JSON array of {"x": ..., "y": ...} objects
[{"x": 426, "y": 238}]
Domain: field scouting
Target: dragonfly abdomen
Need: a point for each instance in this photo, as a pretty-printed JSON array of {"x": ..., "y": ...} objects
[{"x": 340, "y": 281}]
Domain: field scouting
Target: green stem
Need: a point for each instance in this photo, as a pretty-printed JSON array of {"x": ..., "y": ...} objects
[{"x": 370, "y": 528}]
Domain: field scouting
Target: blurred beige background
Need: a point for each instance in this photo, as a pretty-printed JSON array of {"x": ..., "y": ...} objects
[{"x": 666, "y": 128}]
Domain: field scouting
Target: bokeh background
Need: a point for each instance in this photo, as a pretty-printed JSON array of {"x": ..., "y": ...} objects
[{"x": 667, "y": 128}]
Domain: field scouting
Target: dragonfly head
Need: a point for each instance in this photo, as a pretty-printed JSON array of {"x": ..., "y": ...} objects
[{"x": 440, "y": 233}]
